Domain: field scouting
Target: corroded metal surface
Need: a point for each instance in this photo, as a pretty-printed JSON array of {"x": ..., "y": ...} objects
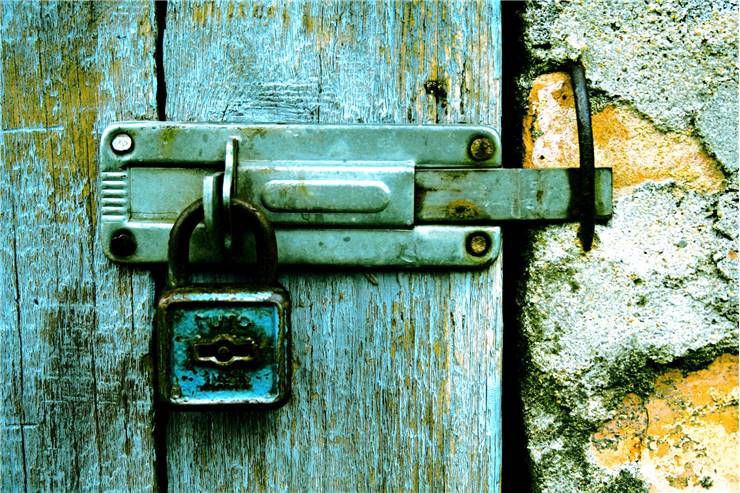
[
  {"x": 223, "y": 346},
  {"x": 490, "y": 196},
  {"x": 354, "y": 183},
  {"x": 255, "y": 321},
  {"x": 586, "y": 178},
  {"x": 313, "y": 179},
  {"x": 250, "y": 216},
  {"x": 192, "y": 145}
]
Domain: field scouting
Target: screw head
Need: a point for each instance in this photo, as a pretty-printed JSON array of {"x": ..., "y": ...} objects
[
  {"x": 122, "y": 143},
  {"x": 481, "y": 148},
  {"x": 478, "y": 244},
  {"x": 122, "y": 243}
]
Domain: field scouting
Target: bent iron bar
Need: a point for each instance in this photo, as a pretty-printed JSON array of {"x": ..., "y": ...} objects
[{"x": 587, "y": 192}]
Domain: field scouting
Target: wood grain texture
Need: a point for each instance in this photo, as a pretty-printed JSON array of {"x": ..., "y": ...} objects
[
  {"x": 396, "y": 374},
  {"x": 76, "y": 396}
]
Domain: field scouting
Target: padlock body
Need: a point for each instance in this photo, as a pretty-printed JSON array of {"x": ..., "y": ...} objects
[{"x": 224, "y": 346}]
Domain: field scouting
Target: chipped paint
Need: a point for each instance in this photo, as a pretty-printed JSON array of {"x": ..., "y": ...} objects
[{"x": 75, "y": 329}]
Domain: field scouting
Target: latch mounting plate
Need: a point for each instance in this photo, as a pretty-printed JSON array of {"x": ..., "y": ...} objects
[{"x": 342, "y": 195}]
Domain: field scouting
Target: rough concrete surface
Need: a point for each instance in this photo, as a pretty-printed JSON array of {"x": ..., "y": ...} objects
[
  {"x": 668, "y": 58},
  {"x": 629, "y": 349},
  {"x": 677, "y": 436}
]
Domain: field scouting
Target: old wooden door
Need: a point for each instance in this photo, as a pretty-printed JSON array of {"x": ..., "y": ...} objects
[{"x": 396, "y": 374}]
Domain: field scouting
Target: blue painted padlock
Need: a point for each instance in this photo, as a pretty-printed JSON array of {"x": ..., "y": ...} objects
[{"x": 223, "y": 345}]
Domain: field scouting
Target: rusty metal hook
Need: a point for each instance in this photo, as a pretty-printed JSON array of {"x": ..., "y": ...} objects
[{"x": 587, "y": 205}]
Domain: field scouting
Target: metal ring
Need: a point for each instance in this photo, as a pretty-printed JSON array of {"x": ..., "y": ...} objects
[
  {"x": 587, "y": 205},
  {"x": 229, "y": 190},
  {"x": 213, "y": 208}
]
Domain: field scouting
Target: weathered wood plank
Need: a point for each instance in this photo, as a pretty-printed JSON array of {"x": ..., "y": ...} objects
[
  {"x": 75, "y": 330},
  {"x": 396, "y": 374}
]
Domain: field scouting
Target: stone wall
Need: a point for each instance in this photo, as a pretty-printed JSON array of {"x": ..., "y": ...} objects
[{"x": 630, "y": 366}]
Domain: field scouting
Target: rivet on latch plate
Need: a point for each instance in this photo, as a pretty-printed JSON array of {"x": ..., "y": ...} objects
[
  {"x": 478, "y": 243},
  {"x": 122, "y": 143},
  {"x": 482, "y": 148}
]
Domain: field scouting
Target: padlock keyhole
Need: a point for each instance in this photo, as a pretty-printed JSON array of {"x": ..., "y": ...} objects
[{"x": 224, "y": 351}]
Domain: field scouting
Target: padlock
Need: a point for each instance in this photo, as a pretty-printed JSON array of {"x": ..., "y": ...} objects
[{"x": 223, "y": 345}]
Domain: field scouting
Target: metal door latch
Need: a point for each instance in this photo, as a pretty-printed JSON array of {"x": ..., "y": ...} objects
[{"x": 342, "y": 195}]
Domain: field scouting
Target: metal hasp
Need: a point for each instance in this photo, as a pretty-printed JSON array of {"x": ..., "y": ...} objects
[{"x": 353, "y": 195}]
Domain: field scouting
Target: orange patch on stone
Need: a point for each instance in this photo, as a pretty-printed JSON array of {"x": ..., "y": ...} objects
[
  {"x": 620, "y": 440},
  {"x": 684, "y": 436},
  {"x": 629, "y": 144}
]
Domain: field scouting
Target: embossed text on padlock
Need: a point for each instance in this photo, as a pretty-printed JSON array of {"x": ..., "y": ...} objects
[{"x": 222, "y": 345}]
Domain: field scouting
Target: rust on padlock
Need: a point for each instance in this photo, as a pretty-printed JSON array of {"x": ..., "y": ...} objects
[{"x": 221, "y": 345}]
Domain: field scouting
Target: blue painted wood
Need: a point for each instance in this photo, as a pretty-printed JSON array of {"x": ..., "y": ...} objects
[
  {"x": 396, "y": 374},
  {"x": 75, "y": 371}
]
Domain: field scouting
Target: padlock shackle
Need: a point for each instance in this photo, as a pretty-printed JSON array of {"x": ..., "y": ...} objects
[{"x": 178, "y": 248}]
